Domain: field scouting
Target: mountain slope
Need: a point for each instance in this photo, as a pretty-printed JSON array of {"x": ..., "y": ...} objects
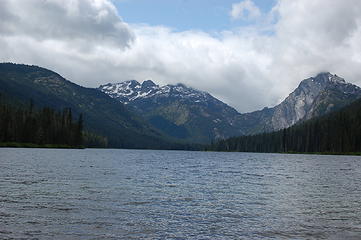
[
  {"x": 102, "y": 114},
  {"x": 187, "y": 113},
  {"x": 177, "y": 110},
  {"x": 335, "y": 132},
  {"x": 313, "y": 97}
]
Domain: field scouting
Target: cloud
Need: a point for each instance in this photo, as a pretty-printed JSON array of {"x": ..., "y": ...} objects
[
  {"x": 83, "y": 22},
  {"x": 88, "y": 43},
  {"x": 245, "y": 10}
]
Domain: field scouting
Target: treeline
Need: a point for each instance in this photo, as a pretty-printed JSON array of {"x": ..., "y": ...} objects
[
  {"x": 39, "y": 126},
  {"x": 338, "y": 132}
]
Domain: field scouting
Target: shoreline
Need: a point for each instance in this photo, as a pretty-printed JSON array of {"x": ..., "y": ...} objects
[
  {"x": 59, "y": 146},
  {"x": 33, "y": 145}
]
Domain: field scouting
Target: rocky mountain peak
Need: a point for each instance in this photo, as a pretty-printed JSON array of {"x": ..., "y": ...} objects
[
  {"x": 178, "y": 110},
  {"x": 129, "y": 91},
  {"x": 323, "y": 79},
  {"x": 133, "y": 83},
  {"x": 314, "y": 96},
  {"x": 148, "y": 84},
  {"x": 330, "y": 78}
]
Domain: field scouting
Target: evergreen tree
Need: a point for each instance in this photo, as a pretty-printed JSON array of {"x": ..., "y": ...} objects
[
  {"x": 46, "y": 126},
  {"x": 338, "y": 132}
]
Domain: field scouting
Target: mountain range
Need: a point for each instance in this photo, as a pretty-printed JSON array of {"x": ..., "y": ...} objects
[
  {"x": 145, "y": 115},
  {"x": 177, "y": 110},
  {"x": 192, "y": 115}
]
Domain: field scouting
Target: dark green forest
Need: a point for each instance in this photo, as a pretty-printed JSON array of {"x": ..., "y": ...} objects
[
  {"x": 20, "y": 124},
  {"x": 27, "y": 125},
  {"x": 338, "y": 132}
]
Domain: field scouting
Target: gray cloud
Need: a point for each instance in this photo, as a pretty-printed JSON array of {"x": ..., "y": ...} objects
[{"x": 87, "y": 42}]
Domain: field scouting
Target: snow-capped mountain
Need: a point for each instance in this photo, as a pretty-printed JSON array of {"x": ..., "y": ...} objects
[
  {"x": 129, "y": 91},
  {"x": 178, "y": 110},
  {"x": 190, "y": 114}
]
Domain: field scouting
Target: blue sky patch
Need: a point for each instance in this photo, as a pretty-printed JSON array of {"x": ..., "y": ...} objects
[{"x": 182, "y": 15}]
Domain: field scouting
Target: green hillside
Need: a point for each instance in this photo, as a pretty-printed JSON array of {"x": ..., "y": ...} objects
[
  {"x": 21, "y": 126},
  {"x": 102, "y": 115}
]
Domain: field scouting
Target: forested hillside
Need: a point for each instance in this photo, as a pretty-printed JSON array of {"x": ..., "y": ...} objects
[
  {"x": 102, "y": 115},
  {"x": 19, "y": 124},
  {"x": 338, "y": 132}
]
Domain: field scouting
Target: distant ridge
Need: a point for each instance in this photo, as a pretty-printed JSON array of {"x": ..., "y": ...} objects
[
  {"x": 177, "y": 110},
  {"x": 187, "y": 113}
]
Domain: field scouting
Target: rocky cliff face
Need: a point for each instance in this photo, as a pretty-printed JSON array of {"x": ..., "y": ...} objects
[
  {"x": 314, "y": 97},
  {"x": 190, "y": 114}
]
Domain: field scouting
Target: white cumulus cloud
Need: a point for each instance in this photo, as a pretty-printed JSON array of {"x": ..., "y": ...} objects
[
  {"x": 82, "y": 22},
  {"x": 87, "y": 42},
  {"x": 245, "y": 10}
]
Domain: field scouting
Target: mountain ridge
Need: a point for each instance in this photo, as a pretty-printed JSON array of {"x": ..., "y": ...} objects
[
  {"x": 146, "y": 115},
  {"x": 102, "y": 114},
  {"x": 197, "y": 114},
  {"x": 314, "y": 96}
]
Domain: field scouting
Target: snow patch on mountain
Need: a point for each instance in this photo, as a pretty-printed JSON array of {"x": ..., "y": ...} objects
[
  {"x": 206, "y": 118},
  {"x": 132, "y": 90}
]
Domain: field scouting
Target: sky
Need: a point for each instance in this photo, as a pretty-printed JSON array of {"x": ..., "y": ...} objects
[
  {"x": 248, "y": 53},
  {"x": 183, "y": 15}
]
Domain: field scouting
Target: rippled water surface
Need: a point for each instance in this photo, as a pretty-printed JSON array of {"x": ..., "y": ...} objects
[{"x": 132, "y": 194}]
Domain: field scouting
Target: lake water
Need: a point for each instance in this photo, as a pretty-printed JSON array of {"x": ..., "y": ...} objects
[{"x": 134, "y": 194}]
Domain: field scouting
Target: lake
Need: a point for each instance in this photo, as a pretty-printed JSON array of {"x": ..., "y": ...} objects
[{"x": 135, "y": 194}]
